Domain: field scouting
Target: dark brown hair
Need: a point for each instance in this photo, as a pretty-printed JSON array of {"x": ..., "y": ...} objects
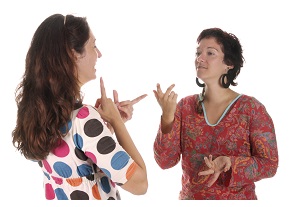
[{"x": 50, "y": 90}]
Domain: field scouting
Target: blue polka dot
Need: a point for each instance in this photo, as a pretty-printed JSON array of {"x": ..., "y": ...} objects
[
  {"x": 84, "y": 170},
  {"x": 63, "y": 129},
  {"x": 62, "y": 169},
  {"x": 60, "y": 194},
  {"x": 105, "y": 184},
  {"x": 119, "y": 160},
  {"x": 78, "y": 141},
  {"x": 107, "y": 172},
  {"x": 47, "y": 175}
]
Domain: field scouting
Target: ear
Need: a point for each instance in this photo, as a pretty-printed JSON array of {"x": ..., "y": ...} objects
[
  {"x": 76, "y": 54},
  {"x": 230, "y": 67}
]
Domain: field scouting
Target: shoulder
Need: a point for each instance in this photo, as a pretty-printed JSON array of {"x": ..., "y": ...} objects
[
  {"x": 88, "y": 121},
  {"x": 189, "y": 99},
  {"x": 86, "y": 112},
  {"x": 251, "y": 101},
  {"x": 252, "y": 105},
  {"x": 188, "y": 103}
]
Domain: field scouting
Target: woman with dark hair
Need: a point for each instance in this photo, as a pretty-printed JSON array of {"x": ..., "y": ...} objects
[
  {"x": 225, "y": 140},
  {"x": 72, "y": 142}
]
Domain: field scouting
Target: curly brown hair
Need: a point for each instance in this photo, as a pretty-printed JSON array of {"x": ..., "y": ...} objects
[{"x": 49, "y": 90}]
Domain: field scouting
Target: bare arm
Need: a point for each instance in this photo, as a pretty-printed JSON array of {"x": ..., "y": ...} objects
[{"x": 138, "y": 183}]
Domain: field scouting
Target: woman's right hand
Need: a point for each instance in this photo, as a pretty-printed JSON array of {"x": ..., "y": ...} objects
[
  {"x": 137, "y": 184},
  {"x": 167, "y": 102},
  {"x": 106, "y": 107}
]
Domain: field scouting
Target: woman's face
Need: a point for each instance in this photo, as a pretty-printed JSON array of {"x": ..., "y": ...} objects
[
  {"x": 209, "y": 61},
  {"x": 86, "y": 62}
]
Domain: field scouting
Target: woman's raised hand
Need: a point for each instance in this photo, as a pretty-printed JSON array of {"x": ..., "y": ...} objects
[
  {"x": 167, "y": 102},
  {"x": 126, "y": 107},
  {"x": 106, "y": 107}
]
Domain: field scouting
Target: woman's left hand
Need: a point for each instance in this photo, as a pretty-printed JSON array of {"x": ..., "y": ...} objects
[
  {"x": 125, "y": 107},
  {"x": 216, "y": 166}
]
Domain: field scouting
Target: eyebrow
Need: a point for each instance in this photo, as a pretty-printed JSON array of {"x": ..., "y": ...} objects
[
  {"x": 213, "y": 48},
  {"x": 209, "y": 48}
]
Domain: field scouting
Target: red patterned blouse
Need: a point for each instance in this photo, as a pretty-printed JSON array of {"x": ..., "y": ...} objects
[{"x": 245, "y": 132}]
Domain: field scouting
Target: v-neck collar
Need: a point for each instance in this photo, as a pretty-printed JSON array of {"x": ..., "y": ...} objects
[{"x": 223, "y": 114}]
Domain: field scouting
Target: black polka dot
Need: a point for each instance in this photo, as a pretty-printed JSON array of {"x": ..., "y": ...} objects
[
  {"x": 79, "y": 195},
  {"x": 111, "y": 198},
  {"x": 80, "y": 154},
  {"x": 90, "y": 177},
  {"x": 106, "y": 145},
  {"x": 93, "y": 128}
]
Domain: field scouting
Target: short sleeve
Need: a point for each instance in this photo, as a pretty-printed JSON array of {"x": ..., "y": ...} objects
[{"x": 93, "y": 137}]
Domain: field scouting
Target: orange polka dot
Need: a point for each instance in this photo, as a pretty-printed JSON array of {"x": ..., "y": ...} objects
[
  {"x": 131, "y": 170},
  {"x": 95, "y": 192},
  {"x": 74, "y": 181}
]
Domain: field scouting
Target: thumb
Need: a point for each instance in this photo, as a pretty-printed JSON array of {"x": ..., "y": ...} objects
[
  {"x": 98, "y": 102},
  {"x": 226, "y": 167}
]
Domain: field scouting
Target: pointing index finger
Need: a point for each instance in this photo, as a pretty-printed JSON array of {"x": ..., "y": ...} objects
[
  {"x": 139, "y": 98},
  {"x": 115, "y": 96},
  {"x": 103, "y": 90}
]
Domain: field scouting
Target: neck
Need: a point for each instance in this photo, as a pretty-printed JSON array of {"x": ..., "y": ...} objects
[{"x": 219, "y": 94}]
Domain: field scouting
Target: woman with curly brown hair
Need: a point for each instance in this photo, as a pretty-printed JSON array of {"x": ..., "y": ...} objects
[
  {"x": 72, "y": 142},
  {"x": 226, "y": 140}
]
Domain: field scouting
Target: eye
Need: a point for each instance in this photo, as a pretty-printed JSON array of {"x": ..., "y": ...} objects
[
  {"x": 210, "y": 53},
  {"x": 197, "y": 54}
]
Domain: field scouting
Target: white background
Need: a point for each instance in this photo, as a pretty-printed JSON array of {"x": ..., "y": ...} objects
[{"x": 148, "y": 42}]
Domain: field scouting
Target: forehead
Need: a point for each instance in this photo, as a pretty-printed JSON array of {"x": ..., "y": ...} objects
[
  {"x": 209, "y": 43},
  {"x": 91, "y": 35},
  {"x": 91, "y": 39}
]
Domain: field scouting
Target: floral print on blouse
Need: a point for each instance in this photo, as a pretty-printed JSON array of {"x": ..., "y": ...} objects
[{"x": 245, "y": 132}]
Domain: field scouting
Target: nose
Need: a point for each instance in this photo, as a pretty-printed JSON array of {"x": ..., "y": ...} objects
[
  {"x": 99, "y": 53},
  {"x": 199, "y": 58}
]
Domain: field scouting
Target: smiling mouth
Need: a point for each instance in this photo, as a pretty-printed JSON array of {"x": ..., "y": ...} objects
[{"x": 200, "y": 67}]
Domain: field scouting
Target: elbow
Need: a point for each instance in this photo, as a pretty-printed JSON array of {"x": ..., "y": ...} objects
[
  {"x": 139, "y": 188},
  {"x": 142, "y": 189},
  {"x": 138, "y": 183},
  {"x": 166, "y": 164},
  {"x": 273, "y": 170}
]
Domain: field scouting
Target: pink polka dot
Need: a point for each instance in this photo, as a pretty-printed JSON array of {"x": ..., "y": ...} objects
[
  {"x": 83, "y": 113},
  {"x": 62, "y": 150},
  {"x": 91, "y": 156},
  {"x": 58, "y": 181},
  {"x": 47, "y": 166},
  {"x": 50, "y": 195},
  {"x": 112, "y": 183}
]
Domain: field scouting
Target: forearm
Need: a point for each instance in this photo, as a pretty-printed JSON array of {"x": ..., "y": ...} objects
[
  {"x": 250, "y": 170},
  {"x": 167, "y": 149},
  {"x": 166, "y": 123},
  {"x": 127, "y": 143},
  {"x": 110, "y": 128}
]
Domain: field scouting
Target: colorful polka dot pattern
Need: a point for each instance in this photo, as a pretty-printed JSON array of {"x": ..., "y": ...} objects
[{"x": 89, "y": 163}]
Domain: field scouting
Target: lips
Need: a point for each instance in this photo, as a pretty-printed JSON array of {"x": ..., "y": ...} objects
[{"x": 201, "y": 67}]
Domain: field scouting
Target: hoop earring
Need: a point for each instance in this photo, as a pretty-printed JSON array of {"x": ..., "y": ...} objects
[
  {"x": 222, "y": 78},
  {"x": 199, "y": 84}
]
